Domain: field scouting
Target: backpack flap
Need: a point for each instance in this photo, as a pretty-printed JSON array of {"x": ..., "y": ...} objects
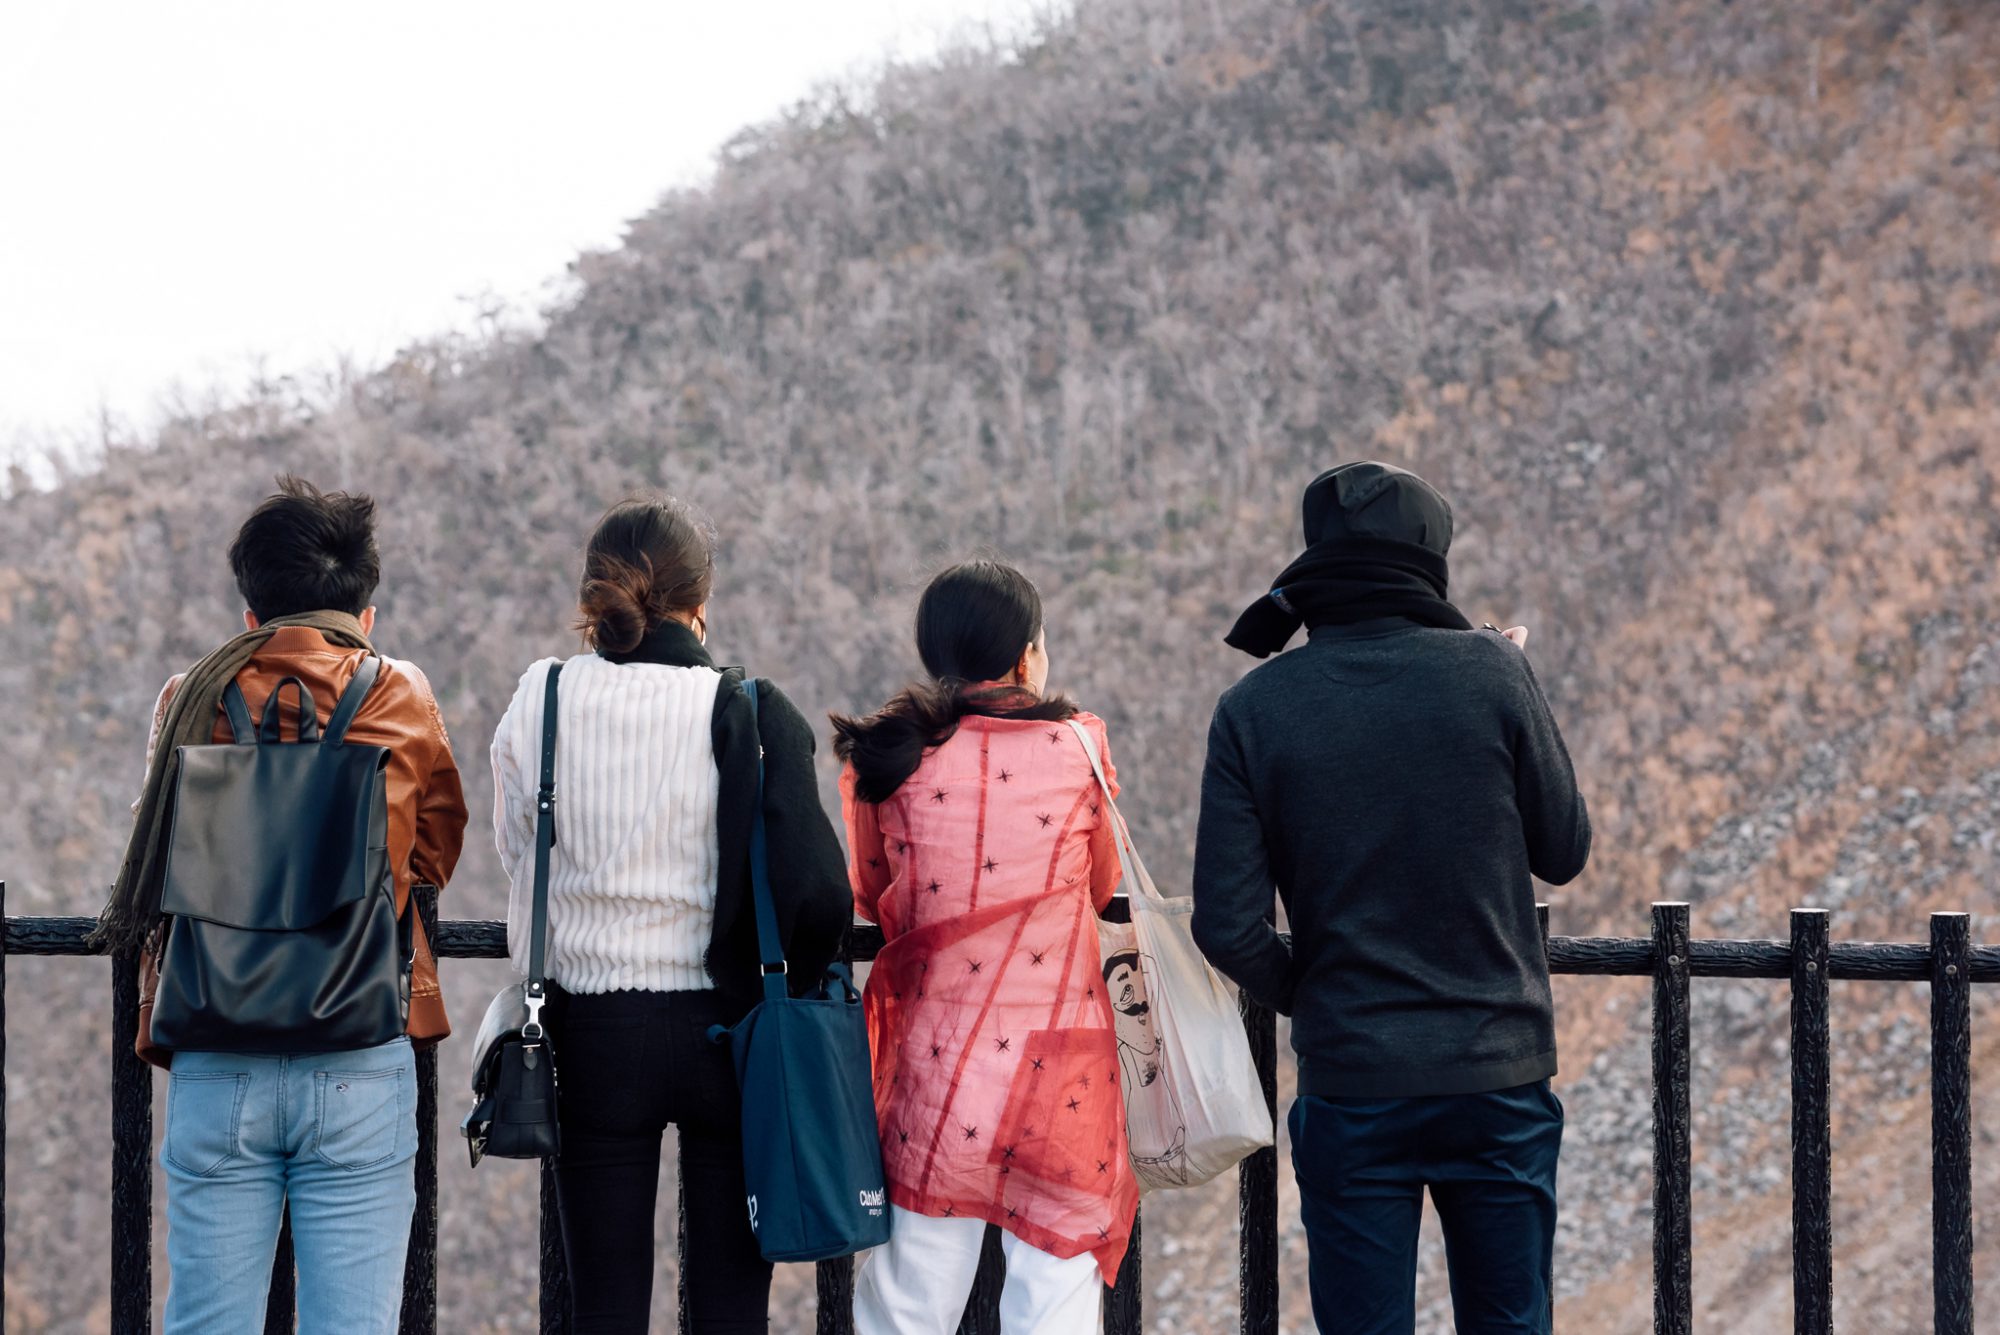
[{"x": 276, "y": 837}]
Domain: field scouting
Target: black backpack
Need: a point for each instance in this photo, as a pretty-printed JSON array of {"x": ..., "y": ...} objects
[{"x": 281, "y": 927}]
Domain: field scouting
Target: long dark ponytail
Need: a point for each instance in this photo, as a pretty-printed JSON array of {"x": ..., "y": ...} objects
[{"x": 973, "y": 621}]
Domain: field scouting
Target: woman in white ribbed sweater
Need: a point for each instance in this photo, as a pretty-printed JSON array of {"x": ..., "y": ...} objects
[{"x": 651, "y": 939}]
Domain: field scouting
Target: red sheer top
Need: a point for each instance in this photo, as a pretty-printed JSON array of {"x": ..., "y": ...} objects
[{"x": 996, "y": 1064}]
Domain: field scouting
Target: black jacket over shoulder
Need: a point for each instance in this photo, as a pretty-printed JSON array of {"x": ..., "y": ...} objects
[
  {"x": 1399, "y": 786},
  {"x": 808, "y": 871}
]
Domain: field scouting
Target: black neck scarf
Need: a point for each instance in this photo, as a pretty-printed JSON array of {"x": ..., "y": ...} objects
[
  {"x": 1340, "y": 582},
  {"x": 671, "y": 644}
]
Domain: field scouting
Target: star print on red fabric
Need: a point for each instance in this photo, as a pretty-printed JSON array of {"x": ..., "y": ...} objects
[
  {"x": 1035, "y": 956},
  {"x": 1055, "y": 736},
  {"x": 1072, "y": 1105},
  {"x": 933, "y": 887},
  {"x": 972, "y": 966},
  {"x": 1006, "y": 776},
  {"x": 938, "y": 796},
  {"x": 1045, "y": 818},
  {"x": 989, "y": 865},
  {"x": 971, "y": 1132},
  {"x": 1083, "y": 1081},
  {"x": 1035, "y": 1062},
  {"x": 1003, "y": 1044}
]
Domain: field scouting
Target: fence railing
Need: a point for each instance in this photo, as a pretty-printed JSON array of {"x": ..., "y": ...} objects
[{"x": 1809, "y": 961}]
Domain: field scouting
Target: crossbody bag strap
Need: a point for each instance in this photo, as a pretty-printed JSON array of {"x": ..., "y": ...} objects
[
  {"x": 545, "y": 838},
  {"x": 770, "y": 949}
]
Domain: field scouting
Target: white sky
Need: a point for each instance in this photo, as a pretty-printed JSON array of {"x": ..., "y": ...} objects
[{"x": 191, "y": 190}]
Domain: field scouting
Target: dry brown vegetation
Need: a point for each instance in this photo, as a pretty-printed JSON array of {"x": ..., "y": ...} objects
[{"x": 1692, "y": 308}]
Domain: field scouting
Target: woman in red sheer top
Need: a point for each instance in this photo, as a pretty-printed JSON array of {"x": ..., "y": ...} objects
[{"x": 978, "y": 839}]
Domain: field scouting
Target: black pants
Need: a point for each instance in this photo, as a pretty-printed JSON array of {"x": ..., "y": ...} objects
[
  {"x": 630, "y": 1063},
  {"x": 1489, "y": 1161}
]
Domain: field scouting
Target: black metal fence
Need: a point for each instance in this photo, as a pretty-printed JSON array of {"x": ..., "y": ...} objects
[{"x": 1949, "y": 963}]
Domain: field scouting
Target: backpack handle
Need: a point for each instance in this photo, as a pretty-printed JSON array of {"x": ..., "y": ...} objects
[{"x": 272, "y": 728}]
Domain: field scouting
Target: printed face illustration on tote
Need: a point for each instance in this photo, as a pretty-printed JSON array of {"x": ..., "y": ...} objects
[{"x": 1138, "y": 1048}]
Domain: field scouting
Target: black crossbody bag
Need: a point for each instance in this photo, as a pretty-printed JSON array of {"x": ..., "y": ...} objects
[{"x": 513, "y": 1063}]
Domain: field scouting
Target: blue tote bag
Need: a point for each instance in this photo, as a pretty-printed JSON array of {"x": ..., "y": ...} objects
[{"x": 812, "y": 1165}]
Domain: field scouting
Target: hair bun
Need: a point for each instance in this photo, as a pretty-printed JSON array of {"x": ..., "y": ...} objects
[{"x": 614, "y": 608}]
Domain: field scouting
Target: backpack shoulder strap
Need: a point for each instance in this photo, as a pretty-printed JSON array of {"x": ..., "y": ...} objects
[
  {"x": 237, "y": 709},
  {"x": 363, "y": 681}
]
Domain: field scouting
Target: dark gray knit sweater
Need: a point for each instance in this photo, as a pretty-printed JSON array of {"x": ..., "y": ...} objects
[{"x": 1398, "y": 786}]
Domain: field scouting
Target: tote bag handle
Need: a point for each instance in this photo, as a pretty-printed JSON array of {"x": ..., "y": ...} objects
[
  {"x": 1137, "y": 880},
  {"x": 770, "y": 946}
]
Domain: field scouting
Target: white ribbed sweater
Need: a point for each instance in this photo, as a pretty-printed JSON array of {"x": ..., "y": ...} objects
[{"x": 632, "y": 876}]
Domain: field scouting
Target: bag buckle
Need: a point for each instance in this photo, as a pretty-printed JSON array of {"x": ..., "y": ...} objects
[
  {"x": 535, "y": 1000},
  {"x": 781, "y": 967}
]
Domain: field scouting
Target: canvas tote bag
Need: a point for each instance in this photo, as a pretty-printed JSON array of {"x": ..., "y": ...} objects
[
  {"x": 812, "y": 1162},
  {"x": 1194, "y": 1106}
]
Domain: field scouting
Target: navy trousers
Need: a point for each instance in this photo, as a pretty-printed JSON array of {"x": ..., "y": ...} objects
[{"x": 1489, "y": 1162}]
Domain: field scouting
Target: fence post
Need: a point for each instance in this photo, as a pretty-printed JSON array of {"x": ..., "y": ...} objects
[
  {"x": 835, "y": 1282},
  {"x": 681, "y": 1239},
  {"x": 556, "y": 1313},
  {"x": 3, "y": 1098},
  {"x": 420, "y": 1264},
  {"x": 131, "y": 1158},
  {"x": 1951, "y": 1122},
  {"x": 1673, "y": 1271},
  {"x": 1122, "y": 1303},
  {"x": 281, "y": 1300},
  {"x": 1257, "y": 1187},
  {"x": 1812, "y": 1143},
  {"x": 982, "y": 1309}
]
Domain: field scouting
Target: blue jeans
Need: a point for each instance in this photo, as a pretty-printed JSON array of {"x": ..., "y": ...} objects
[
  {"x": 1489, "y": 1161},
  {"x": 333, "y": 1133}
]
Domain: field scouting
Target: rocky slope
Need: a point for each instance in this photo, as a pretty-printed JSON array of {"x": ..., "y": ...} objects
[{"x": 1691, "y": 308}]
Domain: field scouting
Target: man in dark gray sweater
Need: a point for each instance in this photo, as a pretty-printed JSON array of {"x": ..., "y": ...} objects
[{"x": 1399, "y": 781}]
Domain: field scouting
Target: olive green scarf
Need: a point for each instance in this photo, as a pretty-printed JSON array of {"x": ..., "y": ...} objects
[{"x": 133, "y": 908}]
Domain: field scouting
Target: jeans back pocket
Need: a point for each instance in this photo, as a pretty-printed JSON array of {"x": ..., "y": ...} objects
[
  {"x": 363, "y": 1116},
  {"x": 204, "y": 1120}
]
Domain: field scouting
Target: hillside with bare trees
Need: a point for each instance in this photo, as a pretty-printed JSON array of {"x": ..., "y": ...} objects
[{"x": 1693, "y": 310}]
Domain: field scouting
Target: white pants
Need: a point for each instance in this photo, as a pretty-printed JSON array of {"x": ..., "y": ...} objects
[{"x": 918, "y": 1282}]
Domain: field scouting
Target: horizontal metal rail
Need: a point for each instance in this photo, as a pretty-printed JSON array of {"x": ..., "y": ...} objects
[
  {"x": 1948, "y": 962},
  {"x": 1582, "y": 956}
]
